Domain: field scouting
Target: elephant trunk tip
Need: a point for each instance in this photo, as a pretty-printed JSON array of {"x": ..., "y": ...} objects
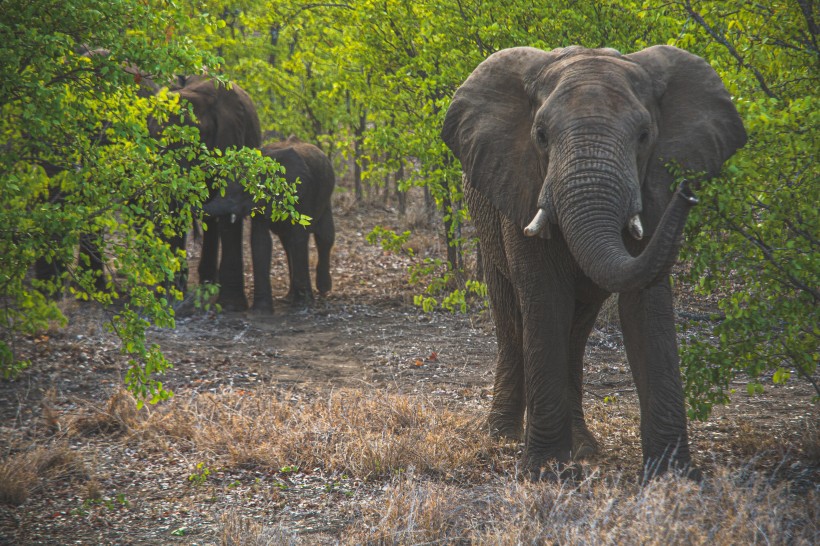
[{"x": 685, "y": 191}]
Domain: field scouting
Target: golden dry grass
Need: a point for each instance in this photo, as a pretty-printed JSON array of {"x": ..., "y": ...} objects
[
  {"x": 366, "y": 434},
  {"x": 439, "y": 478},
  {"x": 32, "y": 470}
]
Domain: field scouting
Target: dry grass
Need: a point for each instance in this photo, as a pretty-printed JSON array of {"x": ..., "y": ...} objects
[
  {"x": 29, "y": 471},
  {"x": 369, "y": 435},
  {"x": 725, "y": 510},
  {"x": 438, "y": 477},
  {"x": 118, "y": 415},
  {"x": 447, "y": 482}
]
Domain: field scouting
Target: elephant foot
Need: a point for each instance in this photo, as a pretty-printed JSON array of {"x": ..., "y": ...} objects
[
  {"x": 552, "y": 470},
  {"x": 654, "y": 468},
  {"x": 185, "y": 308},
  {"x": 506, "y": 429},
  {"x": 573, "y": 472},
  {"x": 299, "y": 297},
  {"x": 233, "y": 304},
  {"x": 323, "y": 284},
  {"x": 264, "y": 306},
  {"x": 584, "y": 444}
]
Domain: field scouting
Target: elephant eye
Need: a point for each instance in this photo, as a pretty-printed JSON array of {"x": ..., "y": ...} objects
[
  {"x": 541, "y": 136},
  {"x": 643, "y": 137}
]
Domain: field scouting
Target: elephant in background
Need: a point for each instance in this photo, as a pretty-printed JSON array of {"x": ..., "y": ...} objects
[
  {"x": 314, "y": 170},
  {"x": 226, "y": 118},
  {"x": 565, "y": 158}
]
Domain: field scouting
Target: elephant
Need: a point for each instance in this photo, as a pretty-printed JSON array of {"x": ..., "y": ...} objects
[
  {"x": 314, "y": 170},
  {"x": 226, "y": 117},
  {"x": 566, "y": 159}
]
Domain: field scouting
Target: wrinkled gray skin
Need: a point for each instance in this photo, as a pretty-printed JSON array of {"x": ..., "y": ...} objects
[
  {"x": 583, "y": 136},
  {"x": 226, "y": 118},
  {"x": 317, "y": 180}
]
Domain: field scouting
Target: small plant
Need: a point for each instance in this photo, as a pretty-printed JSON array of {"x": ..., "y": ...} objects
[
  {"x": 200, "y": 476},
  {"x": 203, "y": 294},
  {"x": 390, "y": 241},
  {"x": 119, "y": 501}
]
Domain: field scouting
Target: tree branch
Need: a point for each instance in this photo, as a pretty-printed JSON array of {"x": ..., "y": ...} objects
[{"x": 723, "y": 41}]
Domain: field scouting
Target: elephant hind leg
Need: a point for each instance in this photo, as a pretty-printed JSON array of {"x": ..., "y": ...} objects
[
  {"x": 324, "y": 235},
  {"x": 295, "y": 243}
]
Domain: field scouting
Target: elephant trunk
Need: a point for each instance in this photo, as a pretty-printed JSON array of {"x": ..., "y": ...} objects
[{"x": 593, "y": 231}]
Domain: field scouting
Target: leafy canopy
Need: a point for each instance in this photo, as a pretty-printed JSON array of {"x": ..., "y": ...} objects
[{"x": 78, "y": 156}]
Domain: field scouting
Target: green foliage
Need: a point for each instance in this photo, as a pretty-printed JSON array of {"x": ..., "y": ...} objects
[
  {"x": 390, "y": 241},
  {"x": 755, "y": 239},
  {"x": 199, "y": 476},
  {"x": 79, "y": 156},
  {"x": 370, "y": 82}
]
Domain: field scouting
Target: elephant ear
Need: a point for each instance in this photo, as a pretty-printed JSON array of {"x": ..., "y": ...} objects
[
  {"x": 488, "y": 128},
  {"x": 698, "y": 126},
  {"x": 227, "y": 117}
]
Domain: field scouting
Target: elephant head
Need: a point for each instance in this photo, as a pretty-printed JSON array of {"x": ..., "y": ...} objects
[
  {"x": 226, "y": 116},
  {"x": 581, "y": 138}
]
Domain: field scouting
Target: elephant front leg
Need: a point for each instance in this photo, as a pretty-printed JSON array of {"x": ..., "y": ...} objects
[
  {"x": 584, "y": 444},
  {"x": 231, "y": 274},
  {"x": 546, "y": 356},
  {"x": 648, "y": 324},
  {"x": 208, "y": 272},
  {"x": 507, "y": 412},
  {"x": 261, "y": 248}
]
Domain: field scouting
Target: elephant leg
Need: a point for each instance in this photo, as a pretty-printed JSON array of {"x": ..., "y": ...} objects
[
  {"x": 509, "y": 398},
  {"x": 295, "y": 241},
  {"x": 261, "y": 248},
  {"x": 210, "y": 251},
  {"x": 547, "y": 322},
  {"x": 648, "y": 324},
  {"x": 325, "y": 235},
  {"x": 584, "y": 444},
  {"x": 231, "y": 267}
]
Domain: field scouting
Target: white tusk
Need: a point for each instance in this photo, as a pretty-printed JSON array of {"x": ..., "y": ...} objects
[
  {"x": 233, "y": 218},
  {"x": 635, "y": 227},
  {"x": 537, "y": 224}
]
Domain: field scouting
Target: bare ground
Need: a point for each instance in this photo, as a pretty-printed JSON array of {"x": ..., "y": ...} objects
[{"x": 80, "y": 465}]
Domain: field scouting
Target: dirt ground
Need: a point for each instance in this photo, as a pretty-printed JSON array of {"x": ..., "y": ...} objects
[{"x": 365, "y": 335}]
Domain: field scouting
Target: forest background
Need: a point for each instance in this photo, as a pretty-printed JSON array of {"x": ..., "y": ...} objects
[{"x": 369, "y": 82}]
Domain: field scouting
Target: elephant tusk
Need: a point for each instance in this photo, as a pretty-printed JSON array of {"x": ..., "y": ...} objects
[
  {"x": 635, "y": 228},
  {"x": 537, "y": 224},
  {"x": 233, "y": 218}
]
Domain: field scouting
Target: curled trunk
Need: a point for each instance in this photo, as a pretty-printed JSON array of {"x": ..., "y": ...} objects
[{"x": 595, "y": 239}]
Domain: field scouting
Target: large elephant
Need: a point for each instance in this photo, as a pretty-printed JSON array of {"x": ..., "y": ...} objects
[
  {"x": 226, "y": 118},
  {"x": 565, "y": 157},
  {"x": 317, "y": 180}
]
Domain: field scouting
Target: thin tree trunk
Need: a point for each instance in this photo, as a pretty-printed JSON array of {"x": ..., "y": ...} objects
[{"x": 401, "y": 197}]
